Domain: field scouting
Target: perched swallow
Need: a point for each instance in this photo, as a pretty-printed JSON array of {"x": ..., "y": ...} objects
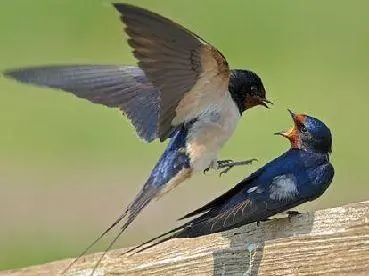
[
  {"x": 184, "y": 90},
  {"x": 299, "y": 175}
]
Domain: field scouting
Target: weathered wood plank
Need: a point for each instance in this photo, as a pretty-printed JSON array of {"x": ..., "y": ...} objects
[{"x": 328, "y": 242}]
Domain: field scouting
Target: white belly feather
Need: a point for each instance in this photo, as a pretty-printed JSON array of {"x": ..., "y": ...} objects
[{"x": 214, "y": 126}]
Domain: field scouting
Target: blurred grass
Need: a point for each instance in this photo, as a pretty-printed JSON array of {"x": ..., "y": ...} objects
[{"x": 68, "y": 167}]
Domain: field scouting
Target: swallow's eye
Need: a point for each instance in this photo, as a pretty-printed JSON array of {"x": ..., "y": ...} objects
[
  {"x": 253, "y": 89},
  {"x": 303, "y": 129}
]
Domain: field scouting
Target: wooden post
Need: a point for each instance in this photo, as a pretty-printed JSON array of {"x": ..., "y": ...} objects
[{"x": 328, "y": 242}]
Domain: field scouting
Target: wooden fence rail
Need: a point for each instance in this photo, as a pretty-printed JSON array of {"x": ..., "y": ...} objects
[{"x": 328, "y": 242}]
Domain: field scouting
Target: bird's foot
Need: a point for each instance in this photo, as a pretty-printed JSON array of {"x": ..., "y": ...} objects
[
  {"x": 292, "y": 214},
  {"x": 213, "y": 165},
  {"x": 228, "y": 164}
]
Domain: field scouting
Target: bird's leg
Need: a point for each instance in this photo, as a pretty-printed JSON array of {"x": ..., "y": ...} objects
[{"x": 229, "y": 164}]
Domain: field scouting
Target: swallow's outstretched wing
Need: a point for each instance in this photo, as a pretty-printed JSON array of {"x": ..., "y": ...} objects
[
  {"x": 189, "y": 73},
  {"x": 123, "y": 87}
]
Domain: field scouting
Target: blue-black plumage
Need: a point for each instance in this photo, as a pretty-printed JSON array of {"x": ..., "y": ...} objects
[
  {"x": 171, "y": 169},
  {"x": 299, "y": 175}
]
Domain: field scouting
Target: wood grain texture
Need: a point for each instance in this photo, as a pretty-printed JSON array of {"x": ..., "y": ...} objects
[{"x": 328, "y": 242}]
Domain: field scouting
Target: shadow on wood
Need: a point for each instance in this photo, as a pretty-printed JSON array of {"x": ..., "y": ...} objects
[
  {"x": 246, "y": 246},
  {"x": 328, "y": 242}
]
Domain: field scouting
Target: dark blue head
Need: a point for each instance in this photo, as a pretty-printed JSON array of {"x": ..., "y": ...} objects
[{"x": 309, "y": 134}]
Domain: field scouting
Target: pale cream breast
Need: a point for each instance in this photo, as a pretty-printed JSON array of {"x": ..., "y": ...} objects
[
  {"x": 211, "y": 86},
  {"x": 210, "y": 132}
]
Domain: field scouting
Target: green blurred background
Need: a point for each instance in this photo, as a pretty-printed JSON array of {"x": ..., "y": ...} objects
[{"x": 68, "y": 167}]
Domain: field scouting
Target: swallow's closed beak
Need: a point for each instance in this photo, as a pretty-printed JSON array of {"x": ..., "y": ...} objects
[
  {"x": 264, "y": 102},
  {"x": 255, "y": 100}
]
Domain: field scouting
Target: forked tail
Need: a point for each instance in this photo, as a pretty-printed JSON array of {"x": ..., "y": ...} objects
[
  {"x": 183, "y": 231},
  {"x": 172, "y": 169},
  {"x": 141, "y": 200}
]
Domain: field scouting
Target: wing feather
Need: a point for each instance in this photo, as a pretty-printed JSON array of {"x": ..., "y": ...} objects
[
  {"x": 123, "y": 87},
  {"x": 179, "y": 63},
  {"x": 219, "y": 201}
]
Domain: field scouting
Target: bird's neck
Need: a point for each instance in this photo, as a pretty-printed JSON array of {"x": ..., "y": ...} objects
[{"x": 310, "y": 158}]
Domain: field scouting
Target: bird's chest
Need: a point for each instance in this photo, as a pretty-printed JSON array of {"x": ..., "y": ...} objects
[{"x": 209, "y": 133}]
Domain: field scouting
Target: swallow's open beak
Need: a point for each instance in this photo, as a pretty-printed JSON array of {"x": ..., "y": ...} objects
[
  {"x": 285, "y": 133},
  {"x": 291, "y": 134},
  {"x": 293, "y": 115}
]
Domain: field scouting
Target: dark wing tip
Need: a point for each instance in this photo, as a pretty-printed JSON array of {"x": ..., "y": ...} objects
[
  {"x": 29, "y": 75},
  {"x": 120, "y": 7},
  {"x": 124, "y": 8},
  {"x": 128, "y": 11},
  {"x": 189, "y": 215},
  {"x": 18, "y": 74},
  {"x": 10, "y": 73}
]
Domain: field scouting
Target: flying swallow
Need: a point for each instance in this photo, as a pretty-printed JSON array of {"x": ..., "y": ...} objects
[
  {"x": 183, "y": 90},
  {"x": 299, "y": 175}
]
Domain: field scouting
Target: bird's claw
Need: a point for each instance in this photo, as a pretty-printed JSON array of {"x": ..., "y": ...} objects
[
  {"x": 228, "y": 164},
  {"x": 222, "y": 172},
  {"x": 226, "y": 170},
  {"x": 224, "y": 162}
]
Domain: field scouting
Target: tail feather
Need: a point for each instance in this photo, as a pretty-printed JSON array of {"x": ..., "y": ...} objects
[
  {"x": 157, "y": 240},
  {"x": 186, "y": 230},
  {"x": 123, "y": 228},
  {"x": 172, "y": 168},
  {"x": 120, "y": 218},
  {"x": 141, "y": 200},
  {"x": 149, "y": 192}
]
